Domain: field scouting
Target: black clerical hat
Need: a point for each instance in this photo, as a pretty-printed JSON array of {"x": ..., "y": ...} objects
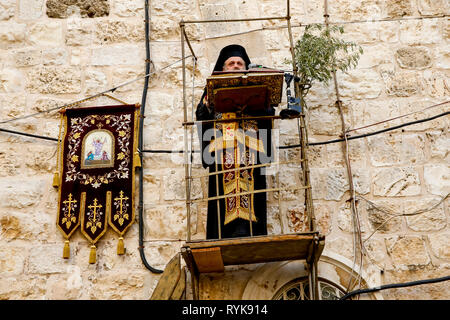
[{"x": 233, "y": 50}]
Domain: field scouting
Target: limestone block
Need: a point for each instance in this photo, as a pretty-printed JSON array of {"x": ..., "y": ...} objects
[
  {"x": 39, "y": 159},
  {"x": 388, "y": 31},
  {"x": 161, "y": 7},
  {"x": 407, "y": 253},
  {"x": 161, "y": 104},
  {"x": 433, "y": 7},
  {"x": 402, "y": 84},
  {"x": 10, "y": 167},
  {"x": 88, "y": 8},
  {"x": 128, "y": 8},
  {"x": 12, "y": 34},
  {"x": 412, "y": 31},
  {"x": 219, "y": 12},
  {"x": 376, "y": 251},
  {"x": 22, "y": 288},
  {"x": 95, "y": 81},
  {"x": 117, "y": 55},
  {"x": 297, "y": 219},
  {"x": 13, "y": 105},
  {"x": 318, "y": 183},
  {"x": 273, "y": 221},
  {"x": 413, "y": 58},
  {"x": 323, "y": 214},
  {"x": 360, "y": 84},
  {"x": 400, "y": 8},
  {"x": 440, "y": 245},
  {"x": 437, "y": 178},
  {"x": 115, "y": 31},
  {"x": 324, "y": 119},
  {"x": 360, "y": 33},
  {"x": 396, "y": 182},
  {"x": 355, "y": 10},
  {"x": 443, "y": 57},
  {"x": 54, "y": 79},
  {"x": 119, "y": 286},
  {"x": 7, "y": 9},
  {"x": 12, "y": 259},
  {"x": 289, "y": 179},
  {"x": 54, "y": 56},
  {"x": 45, "y": 259},
  {"x": 346, "y": 221},
  {"x": 67, "y": 286},
  {"x": 336, "y": 184},
  {"x": 30, "y": 9},
  {"x": 382, "y": 216},
  {"x": 341, "y": 245},
  {"x": 125, "y": 74},
  {"x": 435, "y": 84},
  {"x": 27, "y": 57},
  {"x": 21, "y": 193},
  {"x": 175, "y": 189},
  {"x": 47, "y": 34},
  {"x": 152, "y": 187},
  {"x": 374, "y": 55},
  {"x": 79, "y": 32},
  {"x": 439, "y": 142},
  {"x": 11, "y": 80},
  {"x": 168, "y": 222},
  {"x": 432, "y": 220}
]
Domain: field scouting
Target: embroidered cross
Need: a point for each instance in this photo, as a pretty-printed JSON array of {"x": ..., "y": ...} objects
[
  {"x": 121, "y": 215},
  {"x": 69, "y": 203},
  {"x": 95, "y": 207}
]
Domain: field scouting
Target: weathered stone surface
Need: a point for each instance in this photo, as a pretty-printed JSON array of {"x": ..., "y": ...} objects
[
  {"x": 12, "y": 258},
  {"x": 27, "y": 57},
  {"x": 7, "y": 8},
  {"x": 79, "y": 32},
  {"x": 21, "y": 193},
  {"x": 440, "y": 245},
  {"x": 430, "y": 220},
  {"x": 396, "y": 182},
  {"x": 51, "y": 263},
  {"x": 54, "y": 80},
  {"x": 297, "y": 219},
  {"x": 54, "y": 56},
  {"x": 30, "y": 9},
  {"x": 46, "y": 34},
  {"x": 403, "y": 84},
  {"x": 382, "y": 216},
  {"x": 346, "y": 220},
  {"x": 407, "y": 252},
  {"x": 433, "y": 7},
  {"x": 413, "y": 58},
  {"x": 115, "y": 31},
  {"x": 440, "y": 144},
  {"x": 435, "y": 84},
  {"x": 88, "y": 8},
  {"x": 412, "y": 31},
  {"x": 128, "y": 8},
  {"x": 400, "y": 8},
  {"x": 12, "y": 34},
  {"x": 11, "y": 81},
  {"x": 359, "y": 84},
  {"x": 117, "y": 55},
  {"x": 95, "y": 81},
  {"x": 437, "y": 179}
]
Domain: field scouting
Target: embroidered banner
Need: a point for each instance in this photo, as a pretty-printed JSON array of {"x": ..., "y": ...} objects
[{"x": 98, "y": 156}]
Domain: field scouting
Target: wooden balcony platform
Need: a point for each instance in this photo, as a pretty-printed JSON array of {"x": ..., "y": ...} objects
[{"x": 213, "y": 255}]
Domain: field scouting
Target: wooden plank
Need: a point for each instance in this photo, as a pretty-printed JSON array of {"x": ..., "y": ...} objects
[
  {"x": 260, "y": 248},
  {"x": 180, "y": 287},
  {"x": 208, "y": 259},
  {"x": 168, "y": 280}
]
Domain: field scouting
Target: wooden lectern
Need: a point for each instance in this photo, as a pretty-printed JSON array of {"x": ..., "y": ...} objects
[{"x": 244, "y": 91}]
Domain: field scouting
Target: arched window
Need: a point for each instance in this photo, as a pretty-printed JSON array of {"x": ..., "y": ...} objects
[{"x": 298, "y": 289}]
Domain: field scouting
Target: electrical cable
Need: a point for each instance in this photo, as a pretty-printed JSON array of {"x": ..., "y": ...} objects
[
  {"x": 140, "y": 145},
  {"x": 395, "y": 285},
  {"x": 279, "y": 147}
]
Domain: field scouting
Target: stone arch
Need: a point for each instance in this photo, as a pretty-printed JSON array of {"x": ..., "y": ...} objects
[{"x": 270, "y": 277}]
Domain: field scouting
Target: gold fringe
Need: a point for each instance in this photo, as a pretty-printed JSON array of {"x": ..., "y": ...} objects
[
  {"x": 93, "y": 255},
  {"x": 137, "y": 160},
  {"x": 56, "y": 180},
  {"x": 66, "y": 250},
  {"x": 120, "y": 247}
]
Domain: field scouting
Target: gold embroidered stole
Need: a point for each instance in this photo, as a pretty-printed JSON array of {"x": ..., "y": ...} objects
[{"x": 238, "y": 145}]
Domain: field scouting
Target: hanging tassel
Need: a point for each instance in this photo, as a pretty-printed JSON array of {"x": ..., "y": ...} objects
[
  {"x": 93, "y": 255},
  {"x": 66, "y": 250},
  {"x": 56, "y": 180},
  {"x": 120, "y": 247},
  {"x": 137, "y": 160}
]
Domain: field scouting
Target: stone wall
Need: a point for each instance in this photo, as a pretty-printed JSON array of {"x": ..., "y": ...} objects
[{"x": 56, "y": 52}]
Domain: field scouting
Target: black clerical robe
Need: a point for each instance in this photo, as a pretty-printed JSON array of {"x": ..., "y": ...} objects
[{"x": 235, "y": 145}]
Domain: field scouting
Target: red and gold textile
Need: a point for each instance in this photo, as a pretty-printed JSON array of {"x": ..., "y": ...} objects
[{"x": 98, "y": 157}]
